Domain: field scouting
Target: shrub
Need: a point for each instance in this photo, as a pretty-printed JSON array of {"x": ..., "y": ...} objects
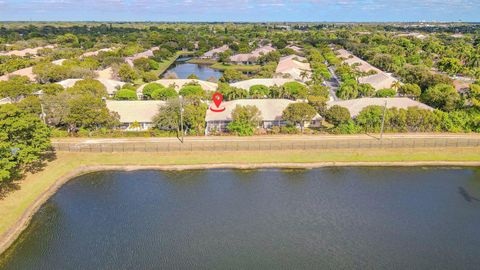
[
  {"x": 150, "y": 88},
  {"x": 192, "y": 90},
  {"x": 259, "y": 91},
  {"x": 386, "y": 92},
  {"x": 337, "y": 115},
  {"x": 126, "y": 94},
  {"x": 164, "y": 93}
]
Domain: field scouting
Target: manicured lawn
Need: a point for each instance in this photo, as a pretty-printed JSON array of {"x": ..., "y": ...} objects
[
  {"x": 243, "y": 68},
  {"x": 167, "y": 63},
  {"x": 16, "y": 202},
  {"x": 202, "y": 61}
]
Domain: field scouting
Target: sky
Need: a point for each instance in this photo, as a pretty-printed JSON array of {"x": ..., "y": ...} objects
[{"x": 241, "y": 10}]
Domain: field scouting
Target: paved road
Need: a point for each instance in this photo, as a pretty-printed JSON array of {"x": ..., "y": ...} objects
[{"x": 333, "y": 84}]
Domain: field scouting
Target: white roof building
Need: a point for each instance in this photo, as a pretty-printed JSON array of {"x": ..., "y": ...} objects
[
  {"x": 6, "y": 100},
  {"x": 352, "y": 60},
  {"x": 295, "y": 48},
  {"x": 271, "y": 113},
  {"x": 355, "y": 106},
  {"x": 111, "y": 85},
  {"x": 294, "y": 66},
  {"x": 179, "y": 83},
  {"x": 378, "y": 81},
  {"x": 21, "y": 72},
  {"x": 267, "y": 82},
  {"x": 25, "y": 52},
  {"x": 253, "y": 56},
  {"x": 95, "y": 53},
  {"x": 141, "y": 111},
  {"x": 213, "y": 53},
  {"x": 145, "y": 54}
]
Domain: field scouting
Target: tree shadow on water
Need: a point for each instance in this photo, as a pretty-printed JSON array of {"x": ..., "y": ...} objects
[{"x": 466, "y": 195}]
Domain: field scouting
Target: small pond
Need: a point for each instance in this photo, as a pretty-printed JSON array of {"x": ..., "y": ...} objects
[{"x": 184, "y": 69}]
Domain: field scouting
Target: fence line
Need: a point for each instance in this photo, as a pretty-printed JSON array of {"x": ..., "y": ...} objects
[{"x": 265, "y": 145}]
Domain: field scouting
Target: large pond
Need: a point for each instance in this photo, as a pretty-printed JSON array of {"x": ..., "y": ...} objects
[
  {"x": 183, "y": 69},
  {"x": 332, "y": 218}
]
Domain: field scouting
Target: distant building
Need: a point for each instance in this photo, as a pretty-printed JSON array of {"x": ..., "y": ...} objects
[
  {"x": 213, "y": 54},
  {"x": 378, "y": 81},
  {"x": 26, "y": 52},
  {"x": 251, "y": 58},
  {"x": 295, "y": 48},
  {"x": 295, "y": 67},
  {"x": 179, "y": 83},
  {"x": 413, "y": 34},
  {"x": 267, "y": 82},
  {"x": 145, "y": 54},
  {"x": 355, "y": 106},
  {"x": 356, "y": 62},
  {"x": 112, "y": 86},
  {"x": 21, "y": 72},
  {"x": 95, "y": 53},
  {"x": 271, "y": 112},
  {"x": 141, "y": 112},
  {"x": 6, "y": 100}
]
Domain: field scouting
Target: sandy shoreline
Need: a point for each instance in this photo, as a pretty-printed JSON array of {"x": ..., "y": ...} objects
[{"x": 9, "y": 237}]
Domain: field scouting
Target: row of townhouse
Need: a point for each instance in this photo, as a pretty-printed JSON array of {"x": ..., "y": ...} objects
[
  {"x": 379, "y": 80},
  {"x": 138, "y": 115}
]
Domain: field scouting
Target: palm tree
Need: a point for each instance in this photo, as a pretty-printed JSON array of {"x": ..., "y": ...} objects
[
  {"x": 396, "y": 84},
  {"x": 303, "y": 75},
  {"x": 474, "y": 59}
]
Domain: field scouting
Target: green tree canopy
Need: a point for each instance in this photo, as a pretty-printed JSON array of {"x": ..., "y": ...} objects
[
  {"x": 126, "y": 94},
  {"x": 89, "y": 86},
  {"x": 23, "y": 141},
  {"x": 192, "y": 90},
  {"x": 386, "y": 92},
  {"x": 15, "y": 87},
  {"x": 348, "y": 90},
  {"x": 337, "y": 115},
  {"x": 230, "y": 93},
  {"x": 245, "y": 120},
  {"x": 295, "y": 90},
  {"x": 370, "y": 118},
  {"x": 127, "y": 73},
  {"x": 443, "y": 97},
  {"x": 259, "y": 91},
  {"x": 410, "y": 90},
  {"x": 298, "y": 113},
  {"x": 89, "y": 112},
  {"x": 366, "y": 90},
  {"x": 148, "y": 89},
  {"x": 164, "y": 93}
]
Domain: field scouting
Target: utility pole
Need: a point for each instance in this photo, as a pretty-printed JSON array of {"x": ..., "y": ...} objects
[
  {"x": 44, "y": 115},
  {"x": 181, "y": 116},
  {"x": 383, "y": 120}
]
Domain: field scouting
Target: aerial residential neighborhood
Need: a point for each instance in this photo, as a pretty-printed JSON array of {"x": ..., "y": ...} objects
[{"x": 269, "y": 134}]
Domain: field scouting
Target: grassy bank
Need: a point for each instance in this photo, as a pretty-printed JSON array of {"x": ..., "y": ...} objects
[
  {"x": 15, "y": 204},
  {"x": 202, "y": 61},
  {"x": 243, "y": 68},
  {"x": 167, "y": 63}
]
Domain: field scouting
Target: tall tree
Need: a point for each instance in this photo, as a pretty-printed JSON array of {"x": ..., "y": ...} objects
[{"x": 23, "y": 141}]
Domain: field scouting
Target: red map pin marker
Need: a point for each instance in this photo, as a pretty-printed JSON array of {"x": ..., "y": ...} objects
[{"x": 217, "y": 99}]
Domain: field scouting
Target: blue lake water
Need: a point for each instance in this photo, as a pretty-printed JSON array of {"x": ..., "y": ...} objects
[
  {"x": 331, "y": 218},
  {"x": 184, "y": 69}
]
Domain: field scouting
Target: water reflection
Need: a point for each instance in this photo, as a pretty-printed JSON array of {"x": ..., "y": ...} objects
[
  {"x": 330, "y": 218},
  {"x": 183, "y": 69}
]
